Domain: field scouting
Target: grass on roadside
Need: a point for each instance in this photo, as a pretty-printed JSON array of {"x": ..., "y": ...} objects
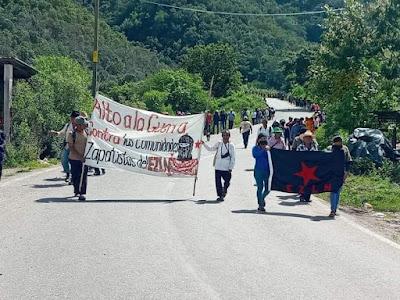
[
  {"x": 382, "y": 194},
  {"x": 32, "y": 165}
]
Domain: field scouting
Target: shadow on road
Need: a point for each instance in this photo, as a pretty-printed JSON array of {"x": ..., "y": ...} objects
[
  {"x": 280, "y": 214},
  {"x": 55, "y": 179},
  {"x": 202, "y": 202},
  {"x": 46, "y": 186},
  {"x": 75, "y": 200},
  {"x": 288, "y": 197},
  {"x": 287, "y": 203}
]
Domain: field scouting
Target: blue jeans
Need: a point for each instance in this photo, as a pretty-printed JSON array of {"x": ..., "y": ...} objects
[
  {"x": 65, "y": 160},
  {"x": 261, "y": 177},
  {"x": 335, "y": 199}
]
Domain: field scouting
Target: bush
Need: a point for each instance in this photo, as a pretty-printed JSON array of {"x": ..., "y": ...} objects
[
  {"x": 390, "y": 170},
  {"x": 44, "y": 104},
  {"x": 363, "y": 166}
]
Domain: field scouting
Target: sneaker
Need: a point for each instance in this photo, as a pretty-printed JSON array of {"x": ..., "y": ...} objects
[
  {"x": 67, "y": 178},
  {"x": 82, "y": 198},
  {"x": 261, "y": 209},
  {"x": 332, "y": 214},
  {"x": 220, "y": 199},
  {"x": 308, "y": 201}
]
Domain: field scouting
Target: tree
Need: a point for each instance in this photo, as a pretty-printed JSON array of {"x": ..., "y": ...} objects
[
  {"x": 217, "y": 65},
  {"x": 356, "y": 68},
  {"x": 175, "y": 90},
  {"x": 62, "y": 85}
]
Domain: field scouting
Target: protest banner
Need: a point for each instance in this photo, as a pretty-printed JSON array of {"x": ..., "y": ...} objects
[{"x": 142, "y": 141}]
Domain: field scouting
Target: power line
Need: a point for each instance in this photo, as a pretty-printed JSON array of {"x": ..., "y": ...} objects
[{"x": 240, "y": 14}]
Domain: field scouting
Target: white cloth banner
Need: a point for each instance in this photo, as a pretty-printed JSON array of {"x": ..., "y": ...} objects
[{"x": 142, "y": 141}]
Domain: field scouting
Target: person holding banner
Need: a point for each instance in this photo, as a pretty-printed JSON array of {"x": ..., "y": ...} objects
[
  {"x": 76, "y": 140},
  {"x": 261, "y": 170},
  {"x": 224, "y": 162}
]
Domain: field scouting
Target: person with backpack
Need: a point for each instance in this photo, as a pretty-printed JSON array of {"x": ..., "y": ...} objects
[
  {"x": 77, "y": 143},
  {"x": 2, "y": 151},
  {"x": 69, "y": 127},
  {"x": 224, "y": 162}
]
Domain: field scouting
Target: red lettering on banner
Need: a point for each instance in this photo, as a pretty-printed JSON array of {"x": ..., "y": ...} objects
[
  {"x": 127, "y": 121},
  {"x": 116, "y": 118},
  {"x": 182, "y": 128},
  {"x": 140, "y": 124},
  {"x": 98, "y": 108}
]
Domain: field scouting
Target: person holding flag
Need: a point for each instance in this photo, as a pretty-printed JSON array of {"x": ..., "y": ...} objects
[
  {"x": 308, "y": 143},
  {"x": 224, "y": 162},
  {"x": 276, "y": 140},
  {"x": 261, "y": 170},
  {"x": 337, "y": 145}
]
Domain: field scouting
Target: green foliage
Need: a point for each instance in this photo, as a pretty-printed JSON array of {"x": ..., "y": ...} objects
[
  {"x": 217, "y": 64},
  {"x": 356, "y": 70},
  {"x": 44, "y": 104},
  {"x": 262, "y": 43},
  {"x": 376, "y": 190},
  {"x": 30, "y": 28},
  {"x": 363, "y": 166},
  {"x": 173, "y": 90},
  {"x": 241, "y": 100}
]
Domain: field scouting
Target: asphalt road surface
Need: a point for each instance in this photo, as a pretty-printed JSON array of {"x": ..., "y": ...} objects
[{"x": 139, "y": 237}]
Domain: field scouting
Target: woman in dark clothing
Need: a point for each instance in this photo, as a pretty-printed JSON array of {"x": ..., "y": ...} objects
[{"x": 261, "y": 170}]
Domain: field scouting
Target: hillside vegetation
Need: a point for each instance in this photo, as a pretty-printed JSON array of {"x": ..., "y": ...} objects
[
  {"x": 262, "y": 42},
  {"x": 30, "y": 28}
]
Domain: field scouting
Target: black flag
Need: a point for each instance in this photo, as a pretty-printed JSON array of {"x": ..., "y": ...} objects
[{"x": 314, "y": 171}]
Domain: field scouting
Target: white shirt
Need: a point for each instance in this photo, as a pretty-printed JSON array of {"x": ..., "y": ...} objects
[
  {"x": 64, "y": 132},
  {"x": 254, "y": 115},
  {"x": 223, "y": 164},
  {"x": 263, "y": 131}
]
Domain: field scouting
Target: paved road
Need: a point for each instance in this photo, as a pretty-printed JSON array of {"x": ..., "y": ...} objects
[{"x": 145, "y": 238}]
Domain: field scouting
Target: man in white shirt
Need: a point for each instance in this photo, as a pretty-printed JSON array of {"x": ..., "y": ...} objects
[
  {"x": 264, "y": 128},
  {"x": 224, "y": 162}
]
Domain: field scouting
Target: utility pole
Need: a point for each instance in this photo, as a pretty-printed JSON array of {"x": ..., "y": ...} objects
[{"x": 95, "y": 54}]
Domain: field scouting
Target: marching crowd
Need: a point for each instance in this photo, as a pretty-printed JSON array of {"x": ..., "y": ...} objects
[{"x": 294, "y": 134}]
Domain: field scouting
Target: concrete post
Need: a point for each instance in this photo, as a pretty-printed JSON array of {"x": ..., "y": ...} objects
[{"x": 8, "y": 83}]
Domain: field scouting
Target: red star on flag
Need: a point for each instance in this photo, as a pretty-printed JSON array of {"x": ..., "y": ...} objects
[
  {"x": 198, "y": 144},
  {"x": 307, "y": 173}
]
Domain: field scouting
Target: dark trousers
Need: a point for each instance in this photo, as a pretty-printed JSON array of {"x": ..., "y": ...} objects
[
  {"x": 253, "y": 120},
  {"x": 1, "y": 169},
  {"x": 216, "y": 125},
  {"x": 230, "y": 124},
  {"x": 219, "y": 175},
  {"x": 246, "y": 138},
  {"x": 223, "y": 125},
  {"x": 77, "y": 168}
]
